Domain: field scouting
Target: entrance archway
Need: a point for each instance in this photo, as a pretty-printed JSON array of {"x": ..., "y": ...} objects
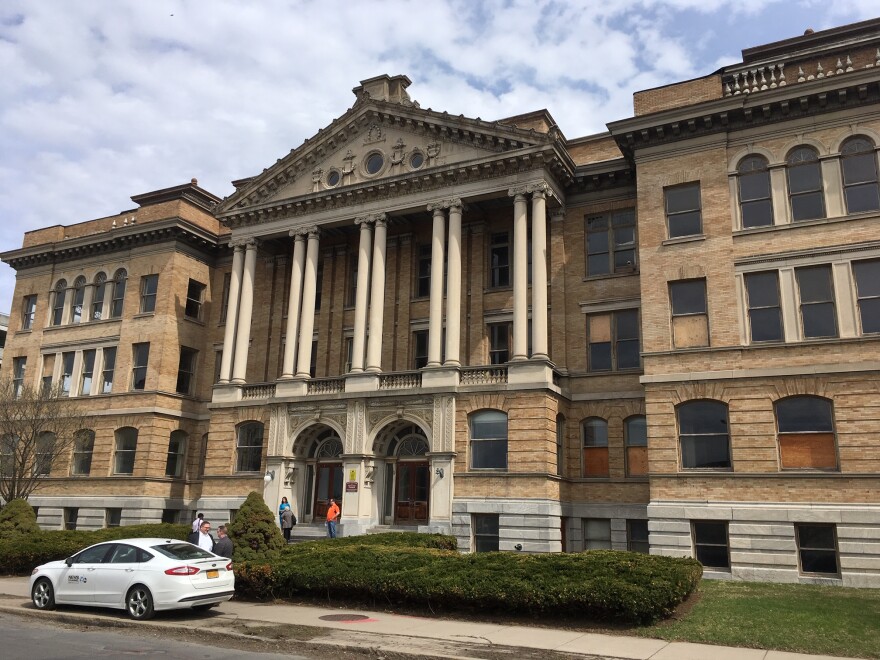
[
  {"x": 324, "y": 476},
  {"x": 407, "y": 475}
]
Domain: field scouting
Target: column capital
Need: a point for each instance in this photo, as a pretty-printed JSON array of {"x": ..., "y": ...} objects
[
  {"x": 540, "y": 188},
  {"x": 518, "y": 191},
  {"x": 245, "y": 242},
  {"x": 298, "y": 234},
  {"x": 371, "y": 218},
  {"x": 449, "y": 202}
]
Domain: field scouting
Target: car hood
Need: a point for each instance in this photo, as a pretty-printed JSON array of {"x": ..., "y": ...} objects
[{"x": 52, "y": 564}]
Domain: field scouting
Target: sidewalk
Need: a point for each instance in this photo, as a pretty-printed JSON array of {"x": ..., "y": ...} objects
[{"x": 426, "y": 637}]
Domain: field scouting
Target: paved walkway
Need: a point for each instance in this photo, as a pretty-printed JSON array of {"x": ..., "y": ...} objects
[{"x": 437, "y": 637}]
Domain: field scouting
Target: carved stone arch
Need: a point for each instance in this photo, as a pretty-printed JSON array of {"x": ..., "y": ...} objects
[
  {"x": 306, "y": 442},
  {"x": 98, "y": 277},
  {"x": 120, "y": 274},
  {"x": 676, "y": 177},
  {"x": 136, "y": 421},
  {"x": 794, "y": 386},
  {"x": 60, "y": 285},
  {"x": 690, "y": 272},
  {"x": 250, "y": 414},
  {"x": 700, "y": 389},
  {"x": 804, "y": 141},
  {"x": 753, "y": 150},
  {"x": 383, "y": 433},
  {"x": 485, "y": 401},
  {"x": 853, "y": 131},
  {"x": 79, "y": 282}
]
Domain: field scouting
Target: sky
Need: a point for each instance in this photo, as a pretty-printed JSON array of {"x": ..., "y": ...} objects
[{"x": 104, "y": 99}]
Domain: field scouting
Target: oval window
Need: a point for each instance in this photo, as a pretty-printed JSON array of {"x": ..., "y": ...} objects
[
  {"x": 374, "y": 163},
  {"x": 333, "y": 178},
  {"x": 416, "y": 160}
]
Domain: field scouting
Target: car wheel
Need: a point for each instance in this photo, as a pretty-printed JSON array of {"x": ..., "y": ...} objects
[
  {"x": 43, "y": 595},
  {"x": 139, "y": 603}
]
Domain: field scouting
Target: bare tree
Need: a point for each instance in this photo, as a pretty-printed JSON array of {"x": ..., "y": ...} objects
[{"x": 38, "y": 429}]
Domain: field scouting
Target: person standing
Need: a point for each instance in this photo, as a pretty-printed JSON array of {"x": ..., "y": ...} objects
[
  {"x": 332, "y": 514},
  {"x": 285, "y": 505},
  {"x": 223, "y": 547},
  {"x": 286, "y": 523},
  {"x": 203, "y": 538},
  {"x": 197, "y": 523}
]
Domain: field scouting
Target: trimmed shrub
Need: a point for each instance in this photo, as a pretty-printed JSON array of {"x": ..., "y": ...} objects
[
  {"x": 396, "y": 539},
  {"x": 17, "y": 518},
  {"x": 604, "y": 585},
  {"x": 255, "y": 535}
]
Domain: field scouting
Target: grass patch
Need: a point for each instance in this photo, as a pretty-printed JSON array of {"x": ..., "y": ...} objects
[{"x": 788, "y": 617}]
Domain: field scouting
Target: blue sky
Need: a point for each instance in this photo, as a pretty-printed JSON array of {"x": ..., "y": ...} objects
[{"x": 104, "y": 99}]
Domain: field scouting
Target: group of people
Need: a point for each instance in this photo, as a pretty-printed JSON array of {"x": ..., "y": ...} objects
[
  {"x": 201, "y": 536},
  {"x": 287, "y": 518}
]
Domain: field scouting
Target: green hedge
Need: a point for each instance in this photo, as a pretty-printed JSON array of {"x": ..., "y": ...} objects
[
  {"x": 389, "y": 539},
  {"x": 603, "y": 585},
  {"x": 20, "y": 555}
]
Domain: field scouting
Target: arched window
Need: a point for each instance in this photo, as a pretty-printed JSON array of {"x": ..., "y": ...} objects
[
  {"x": 176, "y": 454},
  {"x": 754, "y": 192},
  {"x": 703, "y": 434},
  {"x": 858, "y": 161},
  {"x": 489, "y": 440},
  {"x": 330, "y": 447},
  {"x": 126, "y": 448},
  {"x": 805, "y": 184},
  {"x": 595, "y": 460},
  {"x": 806, "y": 433},
  {"x": 249, "y": 447},
  {"x": 118, "y": 298},
  {"x": 83, "y": 446},
  {"x": 44, "y": 455},
  {"x": 635, "y": 435},
  {"x": 98, "y": 296},
  {"x": 76, "y": 301},
  {"x": 58, "y": 302}
]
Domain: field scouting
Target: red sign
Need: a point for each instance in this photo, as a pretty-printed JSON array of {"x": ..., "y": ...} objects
[{"x": 351, "y": 486}]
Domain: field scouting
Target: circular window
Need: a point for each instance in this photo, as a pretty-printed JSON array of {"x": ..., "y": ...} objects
[
  {"x": 417, "y": 160},
  {"x": 333, "y": 178},
  {"x": 374, "y": 163}
]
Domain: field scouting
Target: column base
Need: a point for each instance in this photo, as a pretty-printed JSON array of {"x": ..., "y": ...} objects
[
  {"x": 291, "y": 387},
  {"x": 361, "y": 382},
  {"x": 226, "y": 393},
  {"x": 440, "y": 377},
  {"x": 530, "y": 374}
]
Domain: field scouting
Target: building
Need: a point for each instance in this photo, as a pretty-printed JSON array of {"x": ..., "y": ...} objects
[{"x": 664, "y": 337}]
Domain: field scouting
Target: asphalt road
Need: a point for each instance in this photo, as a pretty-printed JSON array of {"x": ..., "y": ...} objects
[{"x": 23, "y": 638}]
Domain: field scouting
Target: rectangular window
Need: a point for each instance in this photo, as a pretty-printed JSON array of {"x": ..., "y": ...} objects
[
  {"x": 98, "y": 299},
  {"x": 420, "y": 349},
  {"x": 140, "y": 359},
  {"x": 170, "y": 516},
  {"x": 174, "y": 462},
  {"x": 149, "y": 287},
  {"x": 48, "y": 373},
  {"x": 710, "y": 544},
  {"x": 637, "y": 536},
  {"x": 83, "y": 448},
  {"x": 499, "y": 342},
  {"x": 351, "y": 296},
  {"x": 499, "y": 260},
  {"x": 224, "y": 300},
  {"x": 109, "y": 355},
  {"x": 112, "y": 517},
  {"x": 44, "y": 454},
  {"x": 319, "y": 286},
  {"x": 489, "y": 440},
  {"x": 613, "y": 340},
  {"x": 218, "y": 364},
  {"x": 867, "y": 275},
  {"x": 195, "y": 296},
  {"x": 817, "y": 549},
  {"x": 765, "y": 314},
  {"x": 117, "y": 299},
  {"x": 28, "y": 311},
  {"x": 66, "y": 372},
  {"x": 348, "y": 352},
  {"x": 313, "y": 359},
  {"x": 423, "y": 272},
  {"x": 683, "y": 210},
  {"x": 690, "y": 321},
  {"x": 76, "y": 303},
  {"x": 611, "y": 243},
  {"x": 19, "y": 365},
  {"x": 58, "y": 306},
  {"x": 186, "y": 369},
  {"x": 486, "y": 532},
  {"x": 88, "y": 371},
  {"x": 818, "y": 311},
  {"x": 597, "y": 534},
  {"x": 70, "y": 516}
]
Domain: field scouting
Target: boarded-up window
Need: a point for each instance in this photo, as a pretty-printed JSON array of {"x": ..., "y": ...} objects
[
  {"x": 595, "y": 432},
  {"x": 690, "y": 322},
  {"x": 613, "y": 340},
  {"x": 806, "y": 433},
  {"x": 636, "y": 437}
]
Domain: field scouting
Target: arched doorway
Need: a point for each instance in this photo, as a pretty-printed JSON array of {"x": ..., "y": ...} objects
[
  {"x": 407, "y": 475},
  {"x": 321, "y": 446}
]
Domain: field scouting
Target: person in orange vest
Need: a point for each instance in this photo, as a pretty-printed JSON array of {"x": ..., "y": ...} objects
[{"x": 332, "y": 514}]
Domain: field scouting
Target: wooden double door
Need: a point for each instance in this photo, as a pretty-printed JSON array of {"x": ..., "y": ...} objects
[
  {"x": 412, "y": 491},
  {"x": 328, "y": 484}
]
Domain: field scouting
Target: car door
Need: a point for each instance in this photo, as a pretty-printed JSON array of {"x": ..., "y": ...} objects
[
  {"x": 76, "y": 582},
  {"x": 112, "y": 578}
]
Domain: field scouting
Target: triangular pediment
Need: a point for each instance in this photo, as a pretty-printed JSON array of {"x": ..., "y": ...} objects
[{"x": 380, "y": 140}]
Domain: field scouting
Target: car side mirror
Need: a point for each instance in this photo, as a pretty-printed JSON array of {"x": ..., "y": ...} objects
[{"x": 69, "y": 561}]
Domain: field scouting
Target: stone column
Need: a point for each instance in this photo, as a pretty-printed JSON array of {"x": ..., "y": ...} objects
[
  {"x": 377, "y": 295},
  {"x": 453, "y": 286},
  {"x": 435, "y": 324},
  {"x": 231, "y": 312},
  {"x": 520, "y": 275},
  {"x": 293, "y": 303},
  {"x": 245, "y": 310},
  {"x": 307, "y": 317},
  {"x": 360, "y": 303},
  {"x": 539, "y": 273}
]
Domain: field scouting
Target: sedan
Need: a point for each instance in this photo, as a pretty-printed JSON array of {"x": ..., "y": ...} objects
[{"x": 141, "y": 576}]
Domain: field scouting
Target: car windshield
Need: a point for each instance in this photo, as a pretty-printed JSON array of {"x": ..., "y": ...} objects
[{"x": 182, "y": 551}]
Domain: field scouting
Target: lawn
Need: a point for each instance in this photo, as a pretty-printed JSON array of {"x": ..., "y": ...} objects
[{"x": 789, "y": 617}]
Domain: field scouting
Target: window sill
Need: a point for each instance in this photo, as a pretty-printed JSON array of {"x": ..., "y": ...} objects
[
  {"x": 748, "y": 231},
  {"x": 144, "y": 315},
  {"x": 488, "y": 470},
  {"x": 616, "y": 372},
  {"x": 605, "y": 276},
  {"x": 684, "y": 239},
  {"x": 192, "y": 320},
  {"x": 701, "y": 471}
]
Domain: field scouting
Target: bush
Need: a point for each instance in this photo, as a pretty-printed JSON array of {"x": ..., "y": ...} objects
[
  {"x": 396, "y": 539},
  {"x": 19, "y": 555},
  {"x": 17, "y": 518},
  {"x": 602, "y": 585},
  {"x": 255, "y": 535}
]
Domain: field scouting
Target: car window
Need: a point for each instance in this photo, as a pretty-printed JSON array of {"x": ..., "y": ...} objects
[
  {"x": 143, "y": 555},
  {"x": 123, "y": 554},
  {"x": 93, "y": 555},
  {"x": 182, "y": 551}
]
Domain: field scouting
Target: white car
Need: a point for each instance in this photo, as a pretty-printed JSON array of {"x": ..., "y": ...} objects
[{"x": 138, "y": 575}]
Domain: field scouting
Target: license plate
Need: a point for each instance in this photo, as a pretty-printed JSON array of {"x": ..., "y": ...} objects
[{"x": 213, "y": 574}]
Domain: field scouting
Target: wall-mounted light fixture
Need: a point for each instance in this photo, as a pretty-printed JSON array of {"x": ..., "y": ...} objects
[
  {"x": 439, "y": 472},
  {"x": 270, "y": 474}
]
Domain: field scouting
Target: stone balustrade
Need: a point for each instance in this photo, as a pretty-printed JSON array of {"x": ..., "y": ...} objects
[
  {"x": 325, "y": 386},
  {"x": 258, "y": 391},
  {"x": 404, "y": 381},
  {"x": 484, "y": 376}
]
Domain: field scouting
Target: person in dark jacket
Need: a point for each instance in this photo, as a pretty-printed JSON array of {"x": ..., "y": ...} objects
[
  {"x": 223, "y": 547},
  {"x": 286, "y": 523}
]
